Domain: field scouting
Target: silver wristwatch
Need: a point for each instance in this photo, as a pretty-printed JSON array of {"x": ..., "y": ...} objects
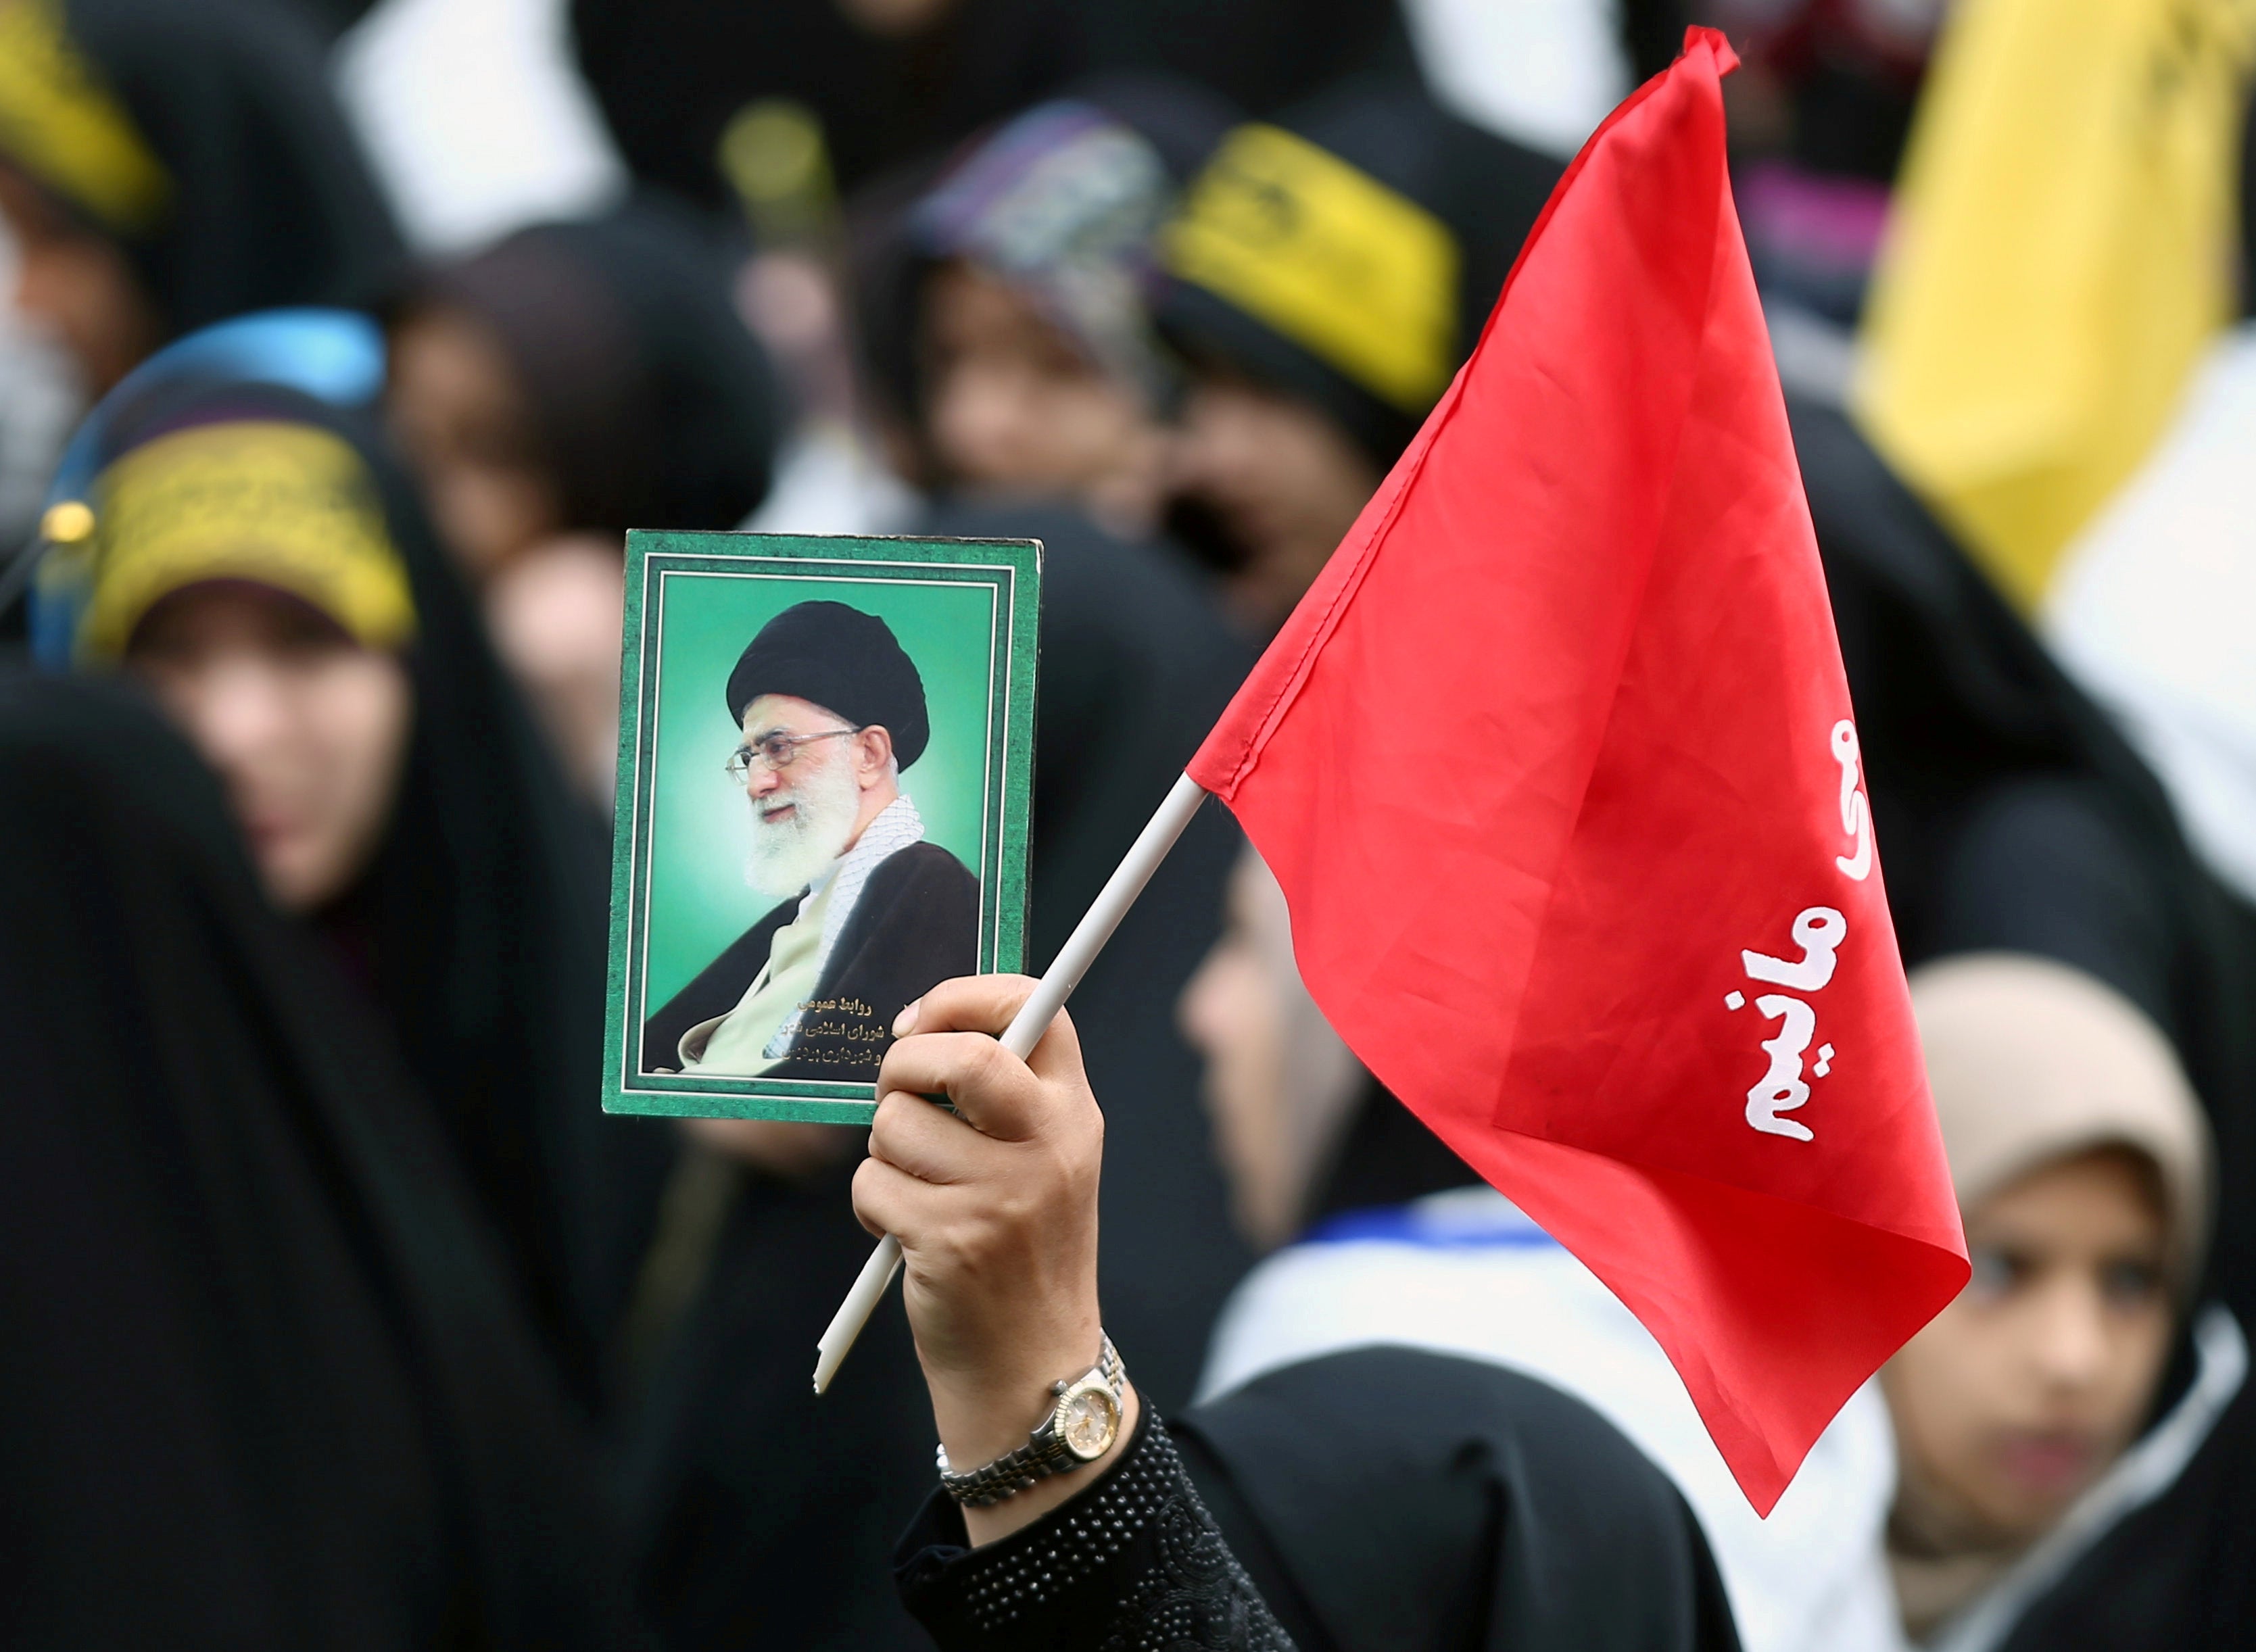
[{"x": 1079, "y": 1428}]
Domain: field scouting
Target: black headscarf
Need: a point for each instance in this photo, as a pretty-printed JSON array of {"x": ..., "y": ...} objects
[
  {"x": 266, "y": 199},
  {"x": 655, "y": 405},
  {"x": 761, "y": 1504},
  {"x": 1389, "y": 1499},
  {"x": 1485, "y": 191},
  {"x": 479, "y": 930},
  {"x": 671, "y": 74},
  {"x": 267, "y": 1384},
  {"x": 1262, "y": 55}
]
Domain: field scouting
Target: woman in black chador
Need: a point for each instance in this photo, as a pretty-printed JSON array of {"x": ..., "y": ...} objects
[
  {"x": 254, "y": 558},
  {"x": 268, "y": 1383}
]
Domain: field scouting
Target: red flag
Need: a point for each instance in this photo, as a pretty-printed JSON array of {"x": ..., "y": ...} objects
[{"x": 1557, "y": 766}]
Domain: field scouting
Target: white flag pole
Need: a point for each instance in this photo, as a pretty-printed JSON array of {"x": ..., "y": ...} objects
[{"x": 1026, "y": 1032}]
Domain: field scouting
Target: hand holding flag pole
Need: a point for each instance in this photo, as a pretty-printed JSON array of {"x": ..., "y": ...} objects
[
  {"x": 1026, "y": 1032},
  {"x": 1624, "y": 947}
]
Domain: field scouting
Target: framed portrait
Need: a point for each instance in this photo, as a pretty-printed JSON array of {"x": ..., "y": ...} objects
[{"x": 825, "y": 750}]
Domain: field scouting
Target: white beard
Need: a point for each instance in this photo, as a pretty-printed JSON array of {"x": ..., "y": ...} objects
[{"x": 790, "y": 853}]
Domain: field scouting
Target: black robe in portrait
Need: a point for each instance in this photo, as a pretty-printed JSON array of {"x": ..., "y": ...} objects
[{"x": 915, "y": 924}]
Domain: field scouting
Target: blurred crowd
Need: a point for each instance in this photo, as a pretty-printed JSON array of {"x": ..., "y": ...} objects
[{"x": 345, "y": 344}]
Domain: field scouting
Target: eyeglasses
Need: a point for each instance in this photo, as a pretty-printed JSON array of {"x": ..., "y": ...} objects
[{"x": 774, "y": 752}]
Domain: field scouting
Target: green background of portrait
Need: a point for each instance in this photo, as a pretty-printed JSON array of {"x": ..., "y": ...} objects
[{"x": 699, "y": 903}]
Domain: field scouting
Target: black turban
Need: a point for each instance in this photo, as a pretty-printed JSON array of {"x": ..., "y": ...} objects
[{"x": 844, "y": 660}]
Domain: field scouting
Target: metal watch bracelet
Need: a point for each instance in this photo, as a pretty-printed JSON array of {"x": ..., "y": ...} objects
[{"x": 1046, "y": 1450}]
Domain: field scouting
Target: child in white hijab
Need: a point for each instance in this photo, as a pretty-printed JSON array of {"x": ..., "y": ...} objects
[{"x": 2082, "y": 1165}]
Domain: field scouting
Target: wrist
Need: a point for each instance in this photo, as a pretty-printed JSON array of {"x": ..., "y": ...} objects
[
  {"x": 985, "y": 1408},
  {"x": 998, "y": 1521},
  {"x": 1016, "y": 1444}
]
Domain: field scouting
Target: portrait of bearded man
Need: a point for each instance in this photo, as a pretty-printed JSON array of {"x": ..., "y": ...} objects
[{"x": 869, "y": 915}]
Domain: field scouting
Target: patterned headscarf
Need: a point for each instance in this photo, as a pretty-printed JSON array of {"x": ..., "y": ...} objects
[{"x": 1063, "y": 203}]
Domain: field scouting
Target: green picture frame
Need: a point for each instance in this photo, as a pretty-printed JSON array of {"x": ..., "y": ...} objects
[{"x": 686, "y": 919}]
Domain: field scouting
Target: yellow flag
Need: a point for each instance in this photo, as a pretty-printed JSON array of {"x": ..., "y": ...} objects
[{"x": 2061, "y": 253}]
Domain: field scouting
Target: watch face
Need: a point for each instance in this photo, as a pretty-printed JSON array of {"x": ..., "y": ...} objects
[{"x": 1089, "y": 1418}]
